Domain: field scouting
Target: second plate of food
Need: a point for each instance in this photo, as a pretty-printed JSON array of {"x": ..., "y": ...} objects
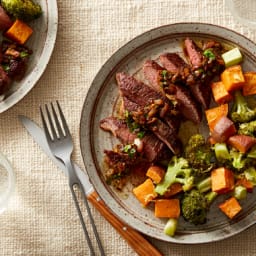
[{"x": 103, "y": 101}]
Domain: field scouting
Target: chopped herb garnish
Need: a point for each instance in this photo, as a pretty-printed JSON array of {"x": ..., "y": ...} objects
[
  {"x": 6, "y": 67},
  {"x": 209, "y": 54},
  {"x": 141, "y": 134},
  {"x": 130, "y": 150},
  {"x": 127, "y": 148},
  {"x": 23, "y": 54}
]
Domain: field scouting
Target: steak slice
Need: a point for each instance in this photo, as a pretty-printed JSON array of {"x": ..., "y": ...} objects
[
  {"x": 152, "y": 72},
  {"x": 144, "y": 95},
  {"x": 137, "y": 91},
  {"x": 202, "y": 93},
  {"x": 194, "y": 53},
  {"x": 153, "y": 148},
  {"x": 118, "y": 128},
  {"x": 161, "y": 130},
  {"x": 188, "y": 107},
  {"x": 175, "y": 64}
]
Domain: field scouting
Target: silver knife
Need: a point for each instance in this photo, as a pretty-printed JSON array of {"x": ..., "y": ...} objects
[
  {"x": 39, "y": 137},
  {"x": 136, "y": 240}
]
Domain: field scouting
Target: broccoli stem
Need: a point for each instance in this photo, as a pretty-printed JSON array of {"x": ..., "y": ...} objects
[
  {"x": 204, "y": 185},
  {"x": 171, "y": 227},
  {"x": 240, "y": 192},
  {"x": 221, "y": 151},
  {"x": 210, "y": 196}
]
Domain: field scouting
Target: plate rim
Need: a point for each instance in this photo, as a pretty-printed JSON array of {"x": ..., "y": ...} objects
[
  {"x": 84, "y": 134},
  {"x": 40, "y": 67}
]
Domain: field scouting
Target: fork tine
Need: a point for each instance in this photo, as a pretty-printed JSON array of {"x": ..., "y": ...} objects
[
  {"x": 64, "y": 122},
  {"x": 46, "y": 130},
  {"x": 54, "y": 134},
  {"x": 57, "y": 122}
]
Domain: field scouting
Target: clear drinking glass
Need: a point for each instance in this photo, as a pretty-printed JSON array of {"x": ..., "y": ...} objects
[
  {"x": 244, "y": 11},
  {"x": 7, "y": 182}
]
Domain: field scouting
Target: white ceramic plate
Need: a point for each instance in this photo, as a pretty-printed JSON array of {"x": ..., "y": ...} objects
[
  {"x": 42, "y": 43},
  {"x": 99, "y": 104}
]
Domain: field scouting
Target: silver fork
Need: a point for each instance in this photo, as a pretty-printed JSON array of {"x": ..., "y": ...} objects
[{"x": 60, "y": 143}]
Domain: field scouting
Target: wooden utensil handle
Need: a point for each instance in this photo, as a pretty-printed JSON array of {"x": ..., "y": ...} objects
[{"x": 133, "y": 238}]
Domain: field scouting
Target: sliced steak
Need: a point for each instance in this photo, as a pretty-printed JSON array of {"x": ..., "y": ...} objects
[
  {"x": 144, "y": 95},
  {"x": 137, "y": 91},
  {"x": 161, "y": 130},
  {"x": 153, "y": 148},
  {"x": 118, "y": 128},
  {"x": 174, "y": 64},
  {"x": 202, "y": 93},
  {"x": 152, "y": 72},
  {"x": 188, "y": 107},
  {"x": 194, "y": 53},
  {"x": 165, "y": 134}
]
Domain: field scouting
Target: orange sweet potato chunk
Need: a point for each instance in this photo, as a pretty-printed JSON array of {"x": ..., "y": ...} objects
[
  {"x": 219, "y": 92},
  {"x": 249, "y": 87},
  {"x": 230, "y": 207},
  {"x": 156, "y": 173},
  {"x": 145, "y": 192},
  {"x": 222, "y": 180},
  {"x": 167, "y": 208},
  {"x": 241, "y": 142},
  {"x": 246, "y": 183},
  {"x": 19, "y": 32},
  {"x": 233, "y": 78},
  {"x": 214, "y": 114},
  {"x": 174, "y": 189}
]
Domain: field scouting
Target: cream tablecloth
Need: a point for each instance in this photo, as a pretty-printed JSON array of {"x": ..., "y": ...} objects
[{"x": 41, "y": 218}]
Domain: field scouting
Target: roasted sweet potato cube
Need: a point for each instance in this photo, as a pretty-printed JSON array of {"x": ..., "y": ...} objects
[
  {"x": 19, "y": 32},
  {"x": 230, "y": 207},
  {"x": 249, "y": 87},
  {"x": 219, "y": 92},
  {"x": 246, "y": 183},
  {"x": 222, "y": 180},
  {"x": 145, "y": 192},
  {"x": 214, "y": 114},
  {"x": 174, "y": 189},
  {"x": 241, "y": 142},
  {"x": 223, "y": 129},
  {"x": 167, "y": 208},
  {"x": 156, "y": 173},
  {"x": 233, "y": 78}
]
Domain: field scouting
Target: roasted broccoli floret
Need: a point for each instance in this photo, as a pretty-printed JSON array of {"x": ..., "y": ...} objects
[
  {"x": 241, "y": 112},
  {"x": 199, "y": 154},
  {"x": 25, "y": 10},
  {"x": 248, "y": 128},
  {"x": 231, "y": 158},
  {"x": 178, "y": 171},
  {"x": 194, "y": 207},
  {"x": 239, "y": 160}
]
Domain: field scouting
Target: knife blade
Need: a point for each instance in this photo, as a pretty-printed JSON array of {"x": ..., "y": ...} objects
[{"x": 135, "y": 239}]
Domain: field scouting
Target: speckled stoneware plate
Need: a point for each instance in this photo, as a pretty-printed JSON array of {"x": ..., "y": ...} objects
[
  {"x": 42, "y": 43},
  {"x": 99, "y": 104}
]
